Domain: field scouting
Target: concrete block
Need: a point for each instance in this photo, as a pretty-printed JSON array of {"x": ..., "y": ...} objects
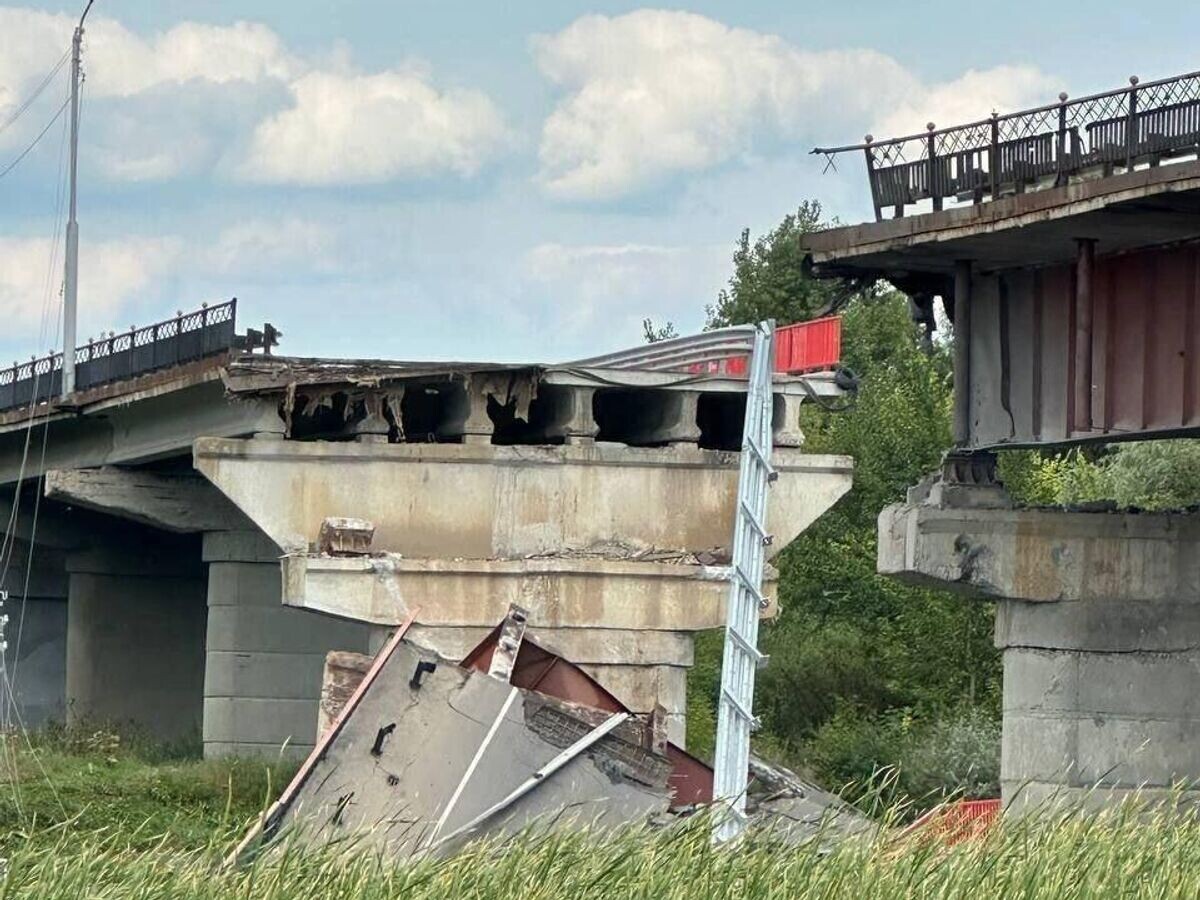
[
  {"x": 239, "y": 546},
  {"x": 293, "y": 751},
  {"x": 1043, "y": 798},
  {"x": 245, "y": 584},
  {"x": 1131, "y": 752},
  {"x": 1040, "y": 681},
  {"x": 135, "y": 652},
  {"x": 604, "y": 646},
  {"x": 255, "y": 720},
  {"x": 558, "y": 592},
  {"x": 251, "y": 629},
  {"x": 1150, "y": 685},
  {"x": 1090, "y": 624},
  {"x": 484, "y": 501},
  {"x": 287, "y": 676},
  {"x": 641, "y": 687},
  {"x": 1041, "y": 747},
  {"x": 1042, "y": 555}
]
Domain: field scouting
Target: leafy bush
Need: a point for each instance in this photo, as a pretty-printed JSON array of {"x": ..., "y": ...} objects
[
  {"x": 1151, "y": 475},
  {"x": 957, "y": 756}
]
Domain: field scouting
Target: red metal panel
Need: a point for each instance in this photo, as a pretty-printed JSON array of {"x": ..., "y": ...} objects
[
  {"x": 813, "y": 346},
  {"x": 1145, "y": 349},
  {"x": 809, "y": 346}
]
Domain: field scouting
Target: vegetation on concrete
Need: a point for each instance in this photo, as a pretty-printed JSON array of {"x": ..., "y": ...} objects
[{"x": 1150, "y": 475}]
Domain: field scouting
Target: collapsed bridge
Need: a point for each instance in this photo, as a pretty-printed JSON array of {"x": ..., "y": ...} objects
[{"x": 166, "y": 530}]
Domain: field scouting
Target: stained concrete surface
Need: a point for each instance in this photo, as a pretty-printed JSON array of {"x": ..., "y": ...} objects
[{"x": 389, "y": 773}]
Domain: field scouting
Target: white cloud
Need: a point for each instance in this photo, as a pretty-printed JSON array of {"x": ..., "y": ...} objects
[
  {"x": 656, "y": 92},
  {"x": 968, "y": 98},
  {"x": 233, "y": 98},
  {"x": 262, "y": 246},
  {"x": 120, "y": 63},
  {"x": 373, "y": 128},
  {"x": 616, "y": 286},
  {"x": 111, "y": 276}
]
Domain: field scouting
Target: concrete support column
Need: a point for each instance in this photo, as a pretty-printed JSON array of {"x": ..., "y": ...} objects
[
  {"x": 1098, "y": 617},
  {"x": 785, "y": 420},
  {"x": 568, "y": 414},
  {"x": 36, "y": 634},
  {"x": 262, "y": 681},
  {"x": 135, "y": 635}
]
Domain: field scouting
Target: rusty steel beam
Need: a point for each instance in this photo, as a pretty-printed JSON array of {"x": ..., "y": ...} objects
[{"x": 1084, "y": 270}]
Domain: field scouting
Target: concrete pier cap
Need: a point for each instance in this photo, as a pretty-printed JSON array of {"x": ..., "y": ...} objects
[
  {"x": 1098, "y": 622},
  {"x": 606, "y": 514}
]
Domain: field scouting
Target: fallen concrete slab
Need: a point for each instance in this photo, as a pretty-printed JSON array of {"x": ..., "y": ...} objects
[{"x": 427, "y": 753}]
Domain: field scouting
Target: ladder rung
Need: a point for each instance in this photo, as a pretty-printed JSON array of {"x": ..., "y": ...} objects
[
  {"x": 758, "y": 656},
  {"x": 751, "y": 719}
]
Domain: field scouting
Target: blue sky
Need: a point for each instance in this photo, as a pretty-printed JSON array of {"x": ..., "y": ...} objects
[{"x": 520, "y": 181}]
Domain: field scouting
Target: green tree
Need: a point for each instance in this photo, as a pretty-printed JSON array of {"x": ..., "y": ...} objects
[{"x": 769, "y": 280}]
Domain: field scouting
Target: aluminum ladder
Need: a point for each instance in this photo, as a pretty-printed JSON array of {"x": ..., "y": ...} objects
[{"x": 735, "y": 713}]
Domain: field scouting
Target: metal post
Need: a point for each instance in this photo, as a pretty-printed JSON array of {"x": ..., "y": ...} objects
[
  {"x": 735, "y": 713},
  {"x": 935, "y": 191},
  {"x": 994, "y": 158},
  {"x": 871, "y": 176},
  {"x": 71, "y": 269},
  {"x": 962, "y": 353},
  {"x": 1061, "y": 177},
  {"x": 1131, "y": 123},
  {"x": 1084, "y": 265}
]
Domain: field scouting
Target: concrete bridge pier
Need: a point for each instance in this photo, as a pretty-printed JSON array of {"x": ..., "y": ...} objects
[
  {"x": 135, "y": 633},
  {"x": 263, "y": 660},
  {"x": 1098, "y": 618}
]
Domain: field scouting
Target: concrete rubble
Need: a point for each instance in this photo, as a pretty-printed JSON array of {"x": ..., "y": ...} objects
[{"x": 420, "y": 754}]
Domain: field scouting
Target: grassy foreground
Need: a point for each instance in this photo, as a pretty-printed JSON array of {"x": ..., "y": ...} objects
[
  {"x": 101, "y": 821},
  {"x": 1105, "y": 857}
]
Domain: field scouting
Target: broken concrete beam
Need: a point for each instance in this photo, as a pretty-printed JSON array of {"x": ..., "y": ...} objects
[
  {"x": 341, "y": 536},
  {"x": 174, "y": 501},
  {"x": 559, "y": 593}
]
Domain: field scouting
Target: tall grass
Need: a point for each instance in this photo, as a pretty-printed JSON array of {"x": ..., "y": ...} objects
[{"x": 1121, "y": 853}]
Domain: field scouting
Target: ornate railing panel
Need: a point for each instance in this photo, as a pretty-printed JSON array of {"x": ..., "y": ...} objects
[
  {"x": 1140, "y": 124},
  {"x": 208, "y": 331}
]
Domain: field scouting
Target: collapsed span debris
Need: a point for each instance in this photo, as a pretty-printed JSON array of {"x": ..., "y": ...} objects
[{"x": 427, "y": 753}]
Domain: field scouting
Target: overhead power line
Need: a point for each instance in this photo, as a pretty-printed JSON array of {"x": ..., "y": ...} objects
[
  {"x": 37, "y": 92},
  {"x": 41, "y": 134}
]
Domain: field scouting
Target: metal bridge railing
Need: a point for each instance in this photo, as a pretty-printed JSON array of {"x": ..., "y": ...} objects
[
  {"x": 208, "y": 331},
  {"x": 1143, "y": 123}
]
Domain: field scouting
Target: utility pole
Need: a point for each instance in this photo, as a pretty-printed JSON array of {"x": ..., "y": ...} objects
[{"x": 71, "y": 271}]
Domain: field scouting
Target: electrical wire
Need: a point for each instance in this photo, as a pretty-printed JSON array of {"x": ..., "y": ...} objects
[
  {"x": 41, "y": 134},
  {"x": 37, "y": 91}
]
